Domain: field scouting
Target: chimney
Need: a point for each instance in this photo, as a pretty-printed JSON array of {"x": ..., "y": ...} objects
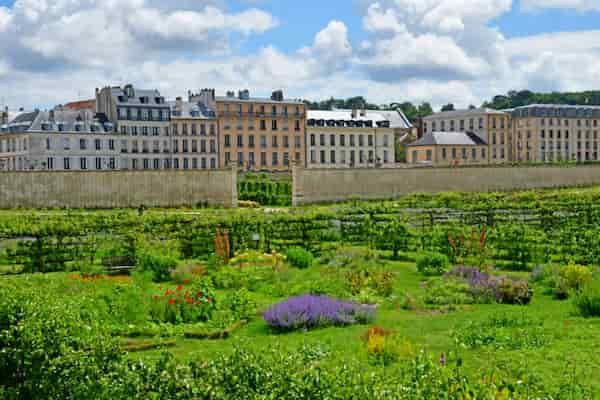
[
  {"x": 363, "y": 113},
  {"x": 277, "y": 95},
  {"x": 354, "y": 113}
]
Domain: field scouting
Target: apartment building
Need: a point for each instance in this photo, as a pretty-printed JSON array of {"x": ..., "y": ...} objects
[
  {"x": 549, "y": 133},
  {"x": 448, "y": 149},
  {"x": 492, "y": 126},
  {"x": 194, "y": 131},
  {"x": 142, "y": 118},
  {"x": 352, "y": 138},
  {"x": 259, "y": 133},
  {"x": 58, "y": 140}
]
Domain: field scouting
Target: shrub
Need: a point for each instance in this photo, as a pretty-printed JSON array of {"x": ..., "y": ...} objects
[
  {"x": 240, "y": 305},
  {"x": 571, "y": 278},
  {"x": 448, "y": 292},
  {"x": 432, "y": 264},
  {"x": 486, "y": 288},
  {"x": 299, "y": 258},
  {"x": 308, "y": 311},
  {"x": 587, "y": 300},
  {"x": 186, "y": 273},
  {"x": 158, "y": 257}
]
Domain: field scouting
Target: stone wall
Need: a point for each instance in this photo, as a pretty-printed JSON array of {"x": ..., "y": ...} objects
[
  {"x": 319, "y": 185},
  {"x": 118, "y": 189}
]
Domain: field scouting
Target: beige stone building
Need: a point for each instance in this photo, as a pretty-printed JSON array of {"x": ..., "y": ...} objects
[
  {"x": 351, "y": 138},
  {"x": 261, "y": 134},
  {"x": 194, "y": 132},
  {"x": 448, "y": 149},
  {"x": 550, "y": 133},
  {"x": 492, "y": 126}
]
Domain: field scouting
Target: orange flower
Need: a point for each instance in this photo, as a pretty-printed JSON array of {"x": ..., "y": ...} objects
[
  {"x": 179, "y": 288},
  {"x": 172, "y": 301},
  {"x": 186, "y": 281}
]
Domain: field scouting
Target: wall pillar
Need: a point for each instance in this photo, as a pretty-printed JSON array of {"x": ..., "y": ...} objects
[
  {"x": 234, "y": 186},
  {"x": 297, "y": 192}
]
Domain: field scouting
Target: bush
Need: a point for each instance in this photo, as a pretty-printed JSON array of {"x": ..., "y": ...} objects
[
  {"x": 385, "y": 347},
  {"x": 308, "y": 311},
  {"x": 158, "y": 257},
  {"x": 571, "y": 278},
  {"x": 240, "y": 305},
  {"x": 432, "y": 264},
  {"x": 587, "y": 300},
  {"x": 448, "y": 292},
  {"x": 299, "y": 258}
]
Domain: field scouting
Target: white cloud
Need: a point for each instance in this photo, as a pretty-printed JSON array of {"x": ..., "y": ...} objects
[
  {"x": 5, "y": 17},
  {"x": 579, "y": 5}
]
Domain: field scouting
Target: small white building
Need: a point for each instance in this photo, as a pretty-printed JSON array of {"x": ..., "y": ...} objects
[
  {"x": 352, "y": 138},
  {"x": 58, "y": 140}
]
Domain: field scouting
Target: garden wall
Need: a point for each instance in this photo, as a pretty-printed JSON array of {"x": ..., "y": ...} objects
[
  {"x": 330, "y": 185},
  {"x": 118, "y": 189}
]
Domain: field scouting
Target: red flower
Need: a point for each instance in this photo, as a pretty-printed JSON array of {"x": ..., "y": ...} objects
[
  {"x": 172, "y": 301},
  {"x": 198, "y": 295},
  {"x": 179, "y": 288},
  {"x": 168, "y": 292},
  {"x": 189, "y": 301},
  {"x": 186, "y": 281}
]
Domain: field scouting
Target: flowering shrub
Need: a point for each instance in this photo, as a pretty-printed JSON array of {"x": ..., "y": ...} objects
[
  {"x": 385, "y": 347},
  {"x": 308, "y": 311},
  {"x": 486, "y": 287},
  {"x": 184, "y": 305}
]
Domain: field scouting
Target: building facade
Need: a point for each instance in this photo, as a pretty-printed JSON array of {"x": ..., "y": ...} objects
[
  {"x": 551, "y": 133},
  {"x": 194, "y": 131},
  {"x": 142, "y": 119},
  {"x": 448, "y": 149},
  {"x": 492, "y": 126},
  {"x": 58, "y": 140},
  {"x": 349, "y": 139},
  {"x": 260, "y": 134}
]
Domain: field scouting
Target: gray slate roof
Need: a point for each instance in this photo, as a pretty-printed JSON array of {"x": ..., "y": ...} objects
[
  {"x": 463, "y": 113},
  {"x": 449, "y": 139},
  {"x": 190, "y": 110},
  {"x": 257, "y": 100},
  {"x": 122, "y": 99},
  {"x": 396, "y": 119}
]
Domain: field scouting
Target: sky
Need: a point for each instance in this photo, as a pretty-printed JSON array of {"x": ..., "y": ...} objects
[{"x": 439, "y": 51}]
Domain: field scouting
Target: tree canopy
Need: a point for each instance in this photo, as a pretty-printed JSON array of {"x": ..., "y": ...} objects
[{"x": 526, "y": 97}]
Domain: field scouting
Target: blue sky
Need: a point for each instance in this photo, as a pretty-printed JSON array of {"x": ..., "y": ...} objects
[{"x": 461, "y": 51}]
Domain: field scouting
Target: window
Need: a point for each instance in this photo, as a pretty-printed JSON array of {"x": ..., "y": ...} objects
[
  {"x": 48, "y": 144},
  {"x": 361, "y": 157},
  {"x": 213, "y": 146},
  {"x": 386, "y": 141},
  {"x": 298, "y": 142},
  {"x": 370, "y": 140},
  {"x": 361, "y": 140},
  {"x": 111, "y": 144},
  {"x": 144, "y": 131},
  {"x": 342, "y": 140},
  {"x": 194, "y": 146},
  {"x": 66, "y": 163},
  {"x": 444, "y": 155},
  {"x": 203, "y": 163},
  {"x": 50, "y": 163},
  {"x": 227, "y": 141},
  {"x": 332, "y": 140},
  {"x": 474, "y": 154},
  {"x": 414, "y": 156},
  {"x": 297, "y": 125},
  {"x": 286, "y": 142},
  {"x": 453, "y": 153},
  {"x": 322, "y": 140},
  {"x": 352, "y": 140},
  {"x": 263, "y": 141},
  {"x": 263, "y": 125},
  {"x": 286, "y": 159},
  {"x": 156, "y": 163},
  {"x": 322, "y": 159},
  {"x": 263, "y": 159},
  {"x": 98, "y": 163},
  {"x": 213, "y": 163},
  {"x": 184, "y": 129},
  {"x": 274, "y": 125},
  {"x": 464, "y": 154},
  {"x": 240, "y": 158},
  {"x": 98, "y": 144},
  {"x": 274, "y": 141},
  {"x": 176, "y": 163},
  {"x": 385, "y": 156},
  {"x": 240, "y": 141},
  {"x": 251, "y": 160},
  {"x": 312, "y": 140},
  {"x": 155, "y": 131},
  {"x": 251, "y": 141},
  {"x": 82, "y": 144},
  {"x": 429, "y": 155},
  {"x": 83, "y": 163},
  {"x": 186, "y": 163},
  {"x": 194, "y": 130}
]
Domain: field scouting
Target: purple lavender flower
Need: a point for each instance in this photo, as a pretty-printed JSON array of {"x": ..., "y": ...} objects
[
  {"x": 309, "y": 311},
  {"x": 491, "y": 288}
]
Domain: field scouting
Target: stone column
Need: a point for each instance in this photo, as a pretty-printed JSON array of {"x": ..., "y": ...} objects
[
  {"x": 234, "y": 188},
  {"x": 297, "y": 192}
]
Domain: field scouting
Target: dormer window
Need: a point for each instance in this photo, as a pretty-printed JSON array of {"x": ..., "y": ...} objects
[
  {"x": 61, "y": 127},
  {"x": 78, "y": 127}
]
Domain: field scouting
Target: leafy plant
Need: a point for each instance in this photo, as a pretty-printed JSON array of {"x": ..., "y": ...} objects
[
  {"x": 184, "y": 304},
  {"x": 587, "y": 300},
  {"x": 160, "y": 258},
  {"x": 299, "y": 258},
  {"x": 432, "y": 264}
]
